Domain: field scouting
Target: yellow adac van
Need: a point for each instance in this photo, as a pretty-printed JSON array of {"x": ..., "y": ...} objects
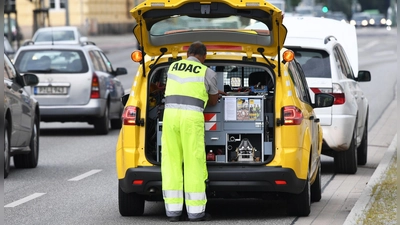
[{"x": 264, "y": 133}]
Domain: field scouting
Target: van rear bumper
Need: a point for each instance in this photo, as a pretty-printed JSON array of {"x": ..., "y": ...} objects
[{"x": 221, "y": 178}]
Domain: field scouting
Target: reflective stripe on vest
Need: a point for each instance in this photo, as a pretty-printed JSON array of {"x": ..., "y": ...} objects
[
  {"x": 184, "y": 100},
  {"x": 186, "y": 78}
]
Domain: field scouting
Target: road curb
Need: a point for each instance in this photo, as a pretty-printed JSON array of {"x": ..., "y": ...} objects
[{"x": 366, "y": 199}]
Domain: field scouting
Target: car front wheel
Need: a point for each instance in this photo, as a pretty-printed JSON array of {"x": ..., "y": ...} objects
[
  {"x": 346, "y": 161},
  {"x": 362, "y": 151},
  {"x": 31, "y": 159},
  {"x": 102, "y": 124},
  {"x": 6, "y": 149}
]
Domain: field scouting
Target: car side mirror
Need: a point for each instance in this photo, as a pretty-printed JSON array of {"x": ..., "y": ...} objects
[
  {"x": 120, "y": 71},
  {"x": 323, "y": 100},
  {"x": 124, "y": 99},
  {"x": 83, "y": 39},
  {"x": 364, "y": 76},
  {"x": 30, "y": 79}
]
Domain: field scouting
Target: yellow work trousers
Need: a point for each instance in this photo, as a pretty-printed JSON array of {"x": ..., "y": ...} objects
[{"x": 183, "y": 162}]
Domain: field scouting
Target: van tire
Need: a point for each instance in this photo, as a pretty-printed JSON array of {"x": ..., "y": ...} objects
[
  {"x": 346, "y": 161},
  {"x": 316, "y": 192},
  {"x": 300, "y": 204},
  {"x": 130, "y": 204}
]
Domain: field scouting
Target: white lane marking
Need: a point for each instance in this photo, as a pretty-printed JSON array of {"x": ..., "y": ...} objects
[
  {"x": 23, "y": 200},
  {"x": 369, "y": 45},
  {"x": 384, "y": 53},
  {"x": 80, "y": 177}
]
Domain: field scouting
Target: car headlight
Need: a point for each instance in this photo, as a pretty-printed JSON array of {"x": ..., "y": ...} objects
[
  {"x": 353, "y": 22},
  {"x": 364, "y": 22},
  {"x": 388, "y": 22},
  {"x": 372, "y": 21},
  {"x": 383, "y": 21}
]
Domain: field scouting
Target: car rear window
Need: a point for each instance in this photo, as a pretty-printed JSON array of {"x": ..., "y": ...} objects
[
  {"x": 314, "y": 63},
  {"x": 55, "y": 35},
  {"x": 51, "y": 61}
]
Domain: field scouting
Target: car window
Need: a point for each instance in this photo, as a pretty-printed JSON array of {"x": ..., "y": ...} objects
[
  {"x": 315, "y": 63},
  {"x": 9, "y": 71},
  {"x": 55, "y": 35},
  {"x": 51, "y": 61},
  {"x": 98, "y": 62},
  {"x": 339, "y": 63},
  {"x": 106, "y": 62},
  {"x": 299, "y": 81},
  {"x": 344, "y": 62}
]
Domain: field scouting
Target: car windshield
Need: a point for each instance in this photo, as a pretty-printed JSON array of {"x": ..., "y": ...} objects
[
  {"x": 185, "y": 24},
  {"x": 51, "y": 61},
  {"x": 360, "y": 17},
  {"x": 55, "y": 35},
  {"x": 314, "y": 63}
]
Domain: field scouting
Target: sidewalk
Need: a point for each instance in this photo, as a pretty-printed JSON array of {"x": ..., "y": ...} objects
[
  {"x": 347, "y": 197},
  {"x": 367, "y": 198}
]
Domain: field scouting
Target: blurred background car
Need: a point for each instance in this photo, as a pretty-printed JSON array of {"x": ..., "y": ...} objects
[
  {"x": 8, "y": 48},
  {"x": 15, "y": 32},
  {"x": 60, "y": 34},
  {"x": 377, "y": 20},
  {"x": 77, "y": 84},
  {"x": 21, "y": 119},
  {"x": 337, "y": 16},
  {"x": 328, "y": 55},
  {"x": 360, "y": 20}
]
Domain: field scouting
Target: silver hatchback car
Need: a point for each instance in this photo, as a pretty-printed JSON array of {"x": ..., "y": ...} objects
[{"x": 77, "y": 83}]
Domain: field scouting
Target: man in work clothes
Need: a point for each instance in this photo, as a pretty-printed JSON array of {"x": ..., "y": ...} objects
[{"x": 190, "y": 87}]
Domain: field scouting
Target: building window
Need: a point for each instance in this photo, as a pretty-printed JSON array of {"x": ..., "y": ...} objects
[{"x": 57, "y": 4}]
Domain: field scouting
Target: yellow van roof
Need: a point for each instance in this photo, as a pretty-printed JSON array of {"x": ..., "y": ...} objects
[{"x": 170, "y": 26}]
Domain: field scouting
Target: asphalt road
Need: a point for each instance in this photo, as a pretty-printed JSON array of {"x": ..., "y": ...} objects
[{"x": 76, "y": 182}]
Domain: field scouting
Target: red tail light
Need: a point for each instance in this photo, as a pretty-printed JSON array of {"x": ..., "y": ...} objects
[
  {"x": 95, "y": 90},
  {"x": 292, "y": 115},
  {"x": 131, "y": 116},
  {"x": 336, "y": 91}
]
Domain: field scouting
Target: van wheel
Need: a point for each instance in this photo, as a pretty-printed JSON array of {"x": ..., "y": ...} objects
[
  {"x": 362, "y": 151},
  {"x": 316, "y": 186},
  {"x": 300, "y": 204},
  {"x": 31, "y": 159},
  {"x": 102, "y": 124},
  {"x": 130, "y": 204},
  {"x": 346, "y": 161},
  {"x": 6, "y": 149}
]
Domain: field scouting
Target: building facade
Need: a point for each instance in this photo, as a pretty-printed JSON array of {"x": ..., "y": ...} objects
[{"x": 93, "y": 17}]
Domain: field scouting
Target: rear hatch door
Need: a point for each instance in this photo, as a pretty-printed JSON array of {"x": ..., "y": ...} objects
[{"x": 169, "y": 27}]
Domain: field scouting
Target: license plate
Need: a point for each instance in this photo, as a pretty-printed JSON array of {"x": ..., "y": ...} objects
[{"x": 52, "y": 90}]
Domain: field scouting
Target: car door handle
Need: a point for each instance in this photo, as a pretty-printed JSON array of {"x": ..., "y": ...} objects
[
  {"x": 9, "y": 86},
  {"x": 311, "y": 118},
  {"x": 21, "y": 90},
  {"x": 316, "y": 120}
]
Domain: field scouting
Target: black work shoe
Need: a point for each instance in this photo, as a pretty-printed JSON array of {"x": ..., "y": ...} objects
[{"x": 206, "y": 217}]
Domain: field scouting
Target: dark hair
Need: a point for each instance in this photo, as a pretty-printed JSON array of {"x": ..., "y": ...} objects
[{"x": 197, "y": 48}]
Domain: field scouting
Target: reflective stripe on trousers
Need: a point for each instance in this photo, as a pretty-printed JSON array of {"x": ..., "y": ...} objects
[{"x": 183, "y": 144}]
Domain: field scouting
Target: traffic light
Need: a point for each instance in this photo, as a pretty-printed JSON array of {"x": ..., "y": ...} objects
[{"x": 324, "y": 9}]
